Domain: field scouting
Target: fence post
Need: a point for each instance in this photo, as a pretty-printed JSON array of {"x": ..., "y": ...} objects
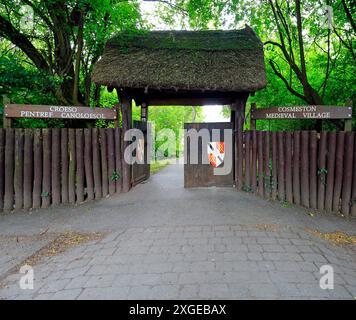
[
  {"x": 126, "y": 110},
  {"x": 330, "y": 171},
  {"x": 18, "y": 174},
  {"x": 348, "y": 167},
  {"x": 55, "y": 164},
  {"x": 64, "y": 165},
  {"x": 339, "y": 163},
  {"x": 28, "y": 169},
  {"x": 7, "y": 122},
  {"x": 46, "y": 175},
  {"x": 313, "y": 169},
  {"x": 80, "y": 165},
  {"x": 9, "y": 172},
  {"x": 88, "y": 163},
  {"x": 304, "y": 168},
  {"x": 322, "y": 170},
  {"x": 252, "y": 121},
  {"x": 96, "y": 164},
  {"x": 2, "y": 167},
  {"x": 37, "y": 169},
  {"x": 281, "y": 166}
]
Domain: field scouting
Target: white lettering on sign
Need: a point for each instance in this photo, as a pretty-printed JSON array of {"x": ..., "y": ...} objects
[
  {"x": 303, "y": 112},
  {"x": 292, "y": 115},
  {"x": 58, "y": 112},
  {"x": 63, "y": 109},
  {"x": 36, "y": 114}
]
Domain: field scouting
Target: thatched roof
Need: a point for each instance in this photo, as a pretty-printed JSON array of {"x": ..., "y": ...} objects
[{"x": 188, "y": 60}]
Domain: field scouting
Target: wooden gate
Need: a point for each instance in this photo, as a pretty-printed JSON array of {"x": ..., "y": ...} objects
[
  {"x": 141, "y": 172},
  {"x": 199, "y": 174}
]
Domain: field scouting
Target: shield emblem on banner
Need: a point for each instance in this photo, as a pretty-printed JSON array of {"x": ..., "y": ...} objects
[{"x": 216, "y": 153}]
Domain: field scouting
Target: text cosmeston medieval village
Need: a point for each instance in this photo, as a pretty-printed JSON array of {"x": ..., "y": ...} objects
[{"x": 308, "y": 112}]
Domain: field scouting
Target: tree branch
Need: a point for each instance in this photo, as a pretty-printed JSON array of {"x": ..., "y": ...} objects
[
  {"x": 280, "y": 75},
  {"x": 349, "y": 15},
  {"x": 173, "y": 6},
  {"x": 8, "y": 31}
]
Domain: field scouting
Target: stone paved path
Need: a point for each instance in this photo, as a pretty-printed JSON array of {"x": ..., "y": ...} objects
[{"x": 184, "y": 244}]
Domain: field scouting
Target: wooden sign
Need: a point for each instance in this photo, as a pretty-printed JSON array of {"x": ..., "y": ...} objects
[
  {"x": 302, "y": 112},
  {"x": 58, "y": 112}
]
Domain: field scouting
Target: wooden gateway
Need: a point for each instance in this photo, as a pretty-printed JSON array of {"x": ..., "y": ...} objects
[{"x": 184, "y": 68}]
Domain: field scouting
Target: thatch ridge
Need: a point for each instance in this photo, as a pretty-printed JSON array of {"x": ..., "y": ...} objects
[{"x": 189, "y": 60}]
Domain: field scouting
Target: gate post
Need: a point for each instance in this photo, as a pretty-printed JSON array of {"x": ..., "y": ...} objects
[
  {"x": 144, "y": 112},
  {"x": 7, "y": 122},
  {"x": 126, "y": 111},
  {"x": 239, "y": 111}
]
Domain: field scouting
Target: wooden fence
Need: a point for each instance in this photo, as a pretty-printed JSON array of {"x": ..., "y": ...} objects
[
  {"x": 43, "y": 167},
  {"x": 315, "y": 170}
]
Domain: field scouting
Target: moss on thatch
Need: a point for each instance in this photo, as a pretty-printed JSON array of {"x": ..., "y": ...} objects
[{"x": 189, "y": 60}]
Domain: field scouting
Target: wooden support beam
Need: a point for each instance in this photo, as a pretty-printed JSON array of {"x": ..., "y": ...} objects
[
  {"x": 144, "y": 112},
  {"x": 239, "y": 111},
  {"x": 348, "y": 125},
  {"x": 7, "y": 122},
  {"x": 252, "y": 121},
  {"x": 126, "y": 110}
]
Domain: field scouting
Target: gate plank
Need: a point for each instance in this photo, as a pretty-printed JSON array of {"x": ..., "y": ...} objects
[
  {"x": 267, "y": 171},
  {"x": 281, "y": 166},
  {"x": 330, "y": 171},
  {"x": 96, "y": 164},
  {"x": 111, "y": 160},
  {"x": 254, "y": 162},
  {"x": 274, "y": 181},
  {"x": 2, "y": 167},
  {"x": 46, "y": 176},
  {"x": 37, "y": 168},
  {"x": 339, "y": 163},
  {"x": 304, "y": 166},
  {"x": 104, "y": 162},
  {"x": 296, "y": 167},
  {"x": 353, "y": 197},
  {"x": 80, "y": 165},
  {"x": 289, "y": 166},
  {"x": 118, "y": 160},
  {"x": 322, "y": 170},
  {"x": 313, "y": 177},
  {"x": 18, "y": 174},
  {"x": 88, "y": 164},
  {"x": 347, "y": 180},
  {"x": 71, "y": 165},
  {"x": 9, "y": 172},
  {"x": 28, "y": 169},
  {"x": 239, "y": 174},
  {"x": 126, "y": 111},
  {"x": 260, "y": 163},
  {"x": 248, "y": 160},
  {"x": 56, "y": 154},
  {"x": 64, "y": 165}
]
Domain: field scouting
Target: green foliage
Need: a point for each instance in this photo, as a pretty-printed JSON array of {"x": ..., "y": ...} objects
[
  {"x": 115, "y": 176},
  {"x": 45, "y": 74},
  {"x": 329, "y": 52},
  {"x": 157, "y": 166},
  {"x": 173, "y": 117}
]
